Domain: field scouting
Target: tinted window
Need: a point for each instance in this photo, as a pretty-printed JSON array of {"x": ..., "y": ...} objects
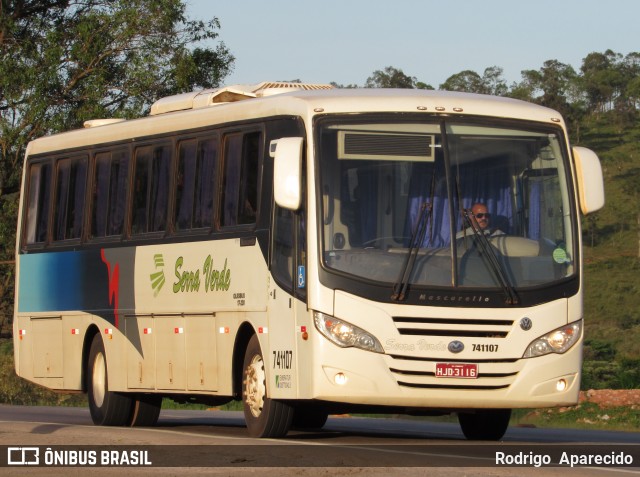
[
  {"x": 240, "y": 180},
  {"x": 151, "y": 189},
  {"x": 110, "y": 193},
  {"x": 71, "y": 181},
  {"x": 39, "y": 203},
  {"x": 195, "y": 188}
]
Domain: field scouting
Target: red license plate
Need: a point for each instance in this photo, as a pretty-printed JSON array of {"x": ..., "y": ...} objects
[{"x": 457, "y": 370}]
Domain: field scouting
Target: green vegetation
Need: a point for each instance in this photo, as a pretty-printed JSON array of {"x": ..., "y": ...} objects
[
  {"x": 612, "y": 259},
  {"x": 584, "y": 416},
  {"x": 14, "y": 390}
]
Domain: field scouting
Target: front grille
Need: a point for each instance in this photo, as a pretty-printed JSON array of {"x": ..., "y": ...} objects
[
  {"x": 477, "y": 387},
  {"x": 419, "y": 372},
  {"x": 463, "y": 327},
  {"x": 432, "y": 374},
  {"x": 494, "y": 373}
]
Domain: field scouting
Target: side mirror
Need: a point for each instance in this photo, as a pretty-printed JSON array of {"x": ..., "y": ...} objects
[
  {"x": 287, "y": 171},
  {"x": 590, "y": 180}
]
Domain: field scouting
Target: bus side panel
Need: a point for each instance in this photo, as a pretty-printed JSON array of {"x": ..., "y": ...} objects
[
  {"x": 202, "y": 358},
  {"x": 279, "y": 351},
  {"x": 49, "y": 348},
  {"x": 190, "y": 301}
]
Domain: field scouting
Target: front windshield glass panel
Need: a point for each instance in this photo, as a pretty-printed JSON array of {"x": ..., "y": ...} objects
[{"x": 472, "y": 205}]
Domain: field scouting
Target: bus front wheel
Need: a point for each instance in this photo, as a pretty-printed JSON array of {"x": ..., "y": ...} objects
[
  {"x": 107, "y": 408},
  {"x": 309, "y": 417},
  {"x": 485, "y": 425},
  {"x": 265, "y": 417},
  {"x": 146, "y": 410}
]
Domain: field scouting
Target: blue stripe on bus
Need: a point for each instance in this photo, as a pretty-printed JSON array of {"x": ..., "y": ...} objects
[{"x": 63, "y": 281}]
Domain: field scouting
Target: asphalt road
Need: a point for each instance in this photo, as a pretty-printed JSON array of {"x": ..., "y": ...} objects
[{"x": 216, "y": 443}]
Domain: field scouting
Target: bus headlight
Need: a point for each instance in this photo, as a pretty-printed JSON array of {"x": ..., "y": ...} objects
[
  {"x": 557, "y": 341},
  {"x": 346, "y": 335}
]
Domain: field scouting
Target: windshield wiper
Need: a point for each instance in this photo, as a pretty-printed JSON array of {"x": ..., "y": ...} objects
[
  {"x": 417, "y": 239},
  {"x": 494, "y": 264}
]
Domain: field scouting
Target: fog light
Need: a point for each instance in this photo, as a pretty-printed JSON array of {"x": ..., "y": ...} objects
[
  {"x": 561, "y": 385},
  {"x": 340, "y": 379}
]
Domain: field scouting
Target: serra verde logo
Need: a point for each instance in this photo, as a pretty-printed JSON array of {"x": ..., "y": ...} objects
[
  {"x": 192, "y": 280},
  {"x": 157, "y": 278}
]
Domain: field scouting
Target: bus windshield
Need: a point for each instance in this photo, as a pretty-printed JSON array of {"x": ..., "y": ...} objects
[{"x": 445, "y": 203}]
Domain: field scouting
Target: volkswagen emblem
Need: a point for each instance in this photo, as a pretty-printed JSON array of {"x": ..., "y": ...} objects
[
  {"x": 526, "y": 323},
  {"x": 456, "y": 346}
]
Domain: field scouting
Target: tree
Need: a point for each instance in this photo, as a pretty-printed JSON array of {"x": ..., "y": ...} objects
[
  {"x": 631, "y": 83},
  {"x": 602, "y": 79},
  {"x": 553, "y": 85},
  {"x": 491, "y": 82},
  {"x": 466, "y": 81},
  {"x": 63, "y": 61},
  {"x": 394, "y": 78}
]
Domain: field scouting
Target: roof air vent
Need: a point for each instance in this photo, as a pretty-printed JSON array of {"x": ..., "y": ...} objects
[{"x": 227, "y": 94}]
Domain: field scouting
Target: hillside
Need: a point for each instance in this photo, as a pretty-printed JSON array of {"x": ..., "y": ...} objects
[{"x": 611, "y": 251}]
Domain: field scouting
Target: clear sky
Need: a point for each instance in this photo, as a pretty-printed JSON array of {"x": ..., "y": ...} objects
[{"x": 344, "y": 41}]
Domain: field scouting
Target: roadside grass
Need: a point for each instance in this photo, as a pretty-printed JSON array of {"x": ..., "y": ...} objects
[
  {"x": 16, "y": 391},
  {"x": 583, "y": 416}
]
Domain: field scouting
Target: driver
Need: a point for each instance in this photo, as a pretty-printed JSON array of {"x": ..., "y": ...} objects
[{"x": 481, "y": 219}]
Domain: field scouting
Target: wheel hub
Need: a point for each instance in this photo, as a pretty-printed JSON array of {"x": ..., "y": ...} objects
[
  {"x": 99, "y": 379},
  {"x": 255, "y": 385}
]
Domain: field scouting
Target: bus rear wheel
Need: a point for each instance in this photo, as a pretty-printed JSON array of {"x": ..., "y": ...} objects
[
  {"x": 485, "y": 425},
  {"x": 265, "y": 417},
  {"x": 107, "y": 408}
]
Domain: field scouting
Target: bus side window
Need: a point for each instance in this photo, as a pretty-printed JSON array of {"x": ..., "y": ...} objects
[
  {"x": 283, "y": 247},
  {"x": 39, "y": 203},
  {"x": 109, "y": 193},
  {"x": 195, "y": 186},
  {"x": 240, "y": 179},
  {"x": 205, "y": 186},
  {"x": 185, "y": 184},
  {"x": 151, "y": 189},
  {"x": 249, "y": 181},
  {"x": 71, "y": 182}
]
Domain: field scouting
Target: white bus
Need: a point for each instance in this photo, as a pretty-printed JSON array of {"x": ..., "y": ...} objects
[{"x": 309, "y": 251}]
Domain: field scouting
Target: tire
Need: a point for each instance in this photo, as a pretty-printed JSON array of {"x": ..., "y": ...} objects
[
  {"x": 107, "y": 408},
  {"x": 146, "y": 410},
  {"x": 485, "y": 425},
  {"x": 309, "y": 417},
  {"x": 265, "y": 417}
]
